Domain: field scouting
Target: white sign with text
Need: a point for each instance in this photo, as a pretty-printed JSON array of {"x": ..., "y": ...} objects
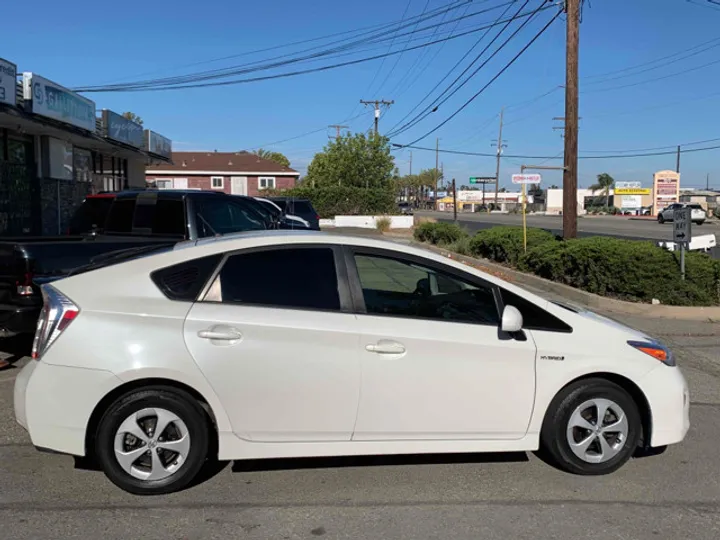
[{"x": 526, "y": 178}]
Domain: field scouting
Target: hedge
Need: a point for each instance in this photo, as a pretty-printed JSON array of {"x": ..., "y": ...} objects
[
  {"x": 505, "y": 244},
  {"x": 627, "y": 269},
  {"x": 630, "y": 270},
  {"x": 440, "y": 234},
  {"x": 331, "y": 201}
]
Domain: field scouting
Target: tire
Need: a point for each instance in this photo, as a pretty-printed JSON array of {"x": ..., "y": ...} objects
[
  {"x": 661, "y": 219},
  {"x": 555, "y": 435},
  {"x": 187, "y": 433},
  {"x": 699, "y": 222}
]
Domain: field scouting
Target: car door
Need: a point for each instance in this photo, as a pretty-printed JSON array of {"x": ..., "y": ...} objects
[
  {"x": 435, "y": 364},
  {"x": 275, "y": 337}
]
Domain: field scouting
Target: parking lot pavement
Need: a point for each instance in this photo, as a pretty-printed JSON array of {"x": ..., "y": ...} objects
[{"x": 670, "y": 496}]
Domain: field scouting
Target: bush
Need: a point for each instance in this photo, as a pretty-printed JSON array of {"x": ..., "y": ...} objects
[
  {"x": 440, "y": 234},
  {"x": 505, "y": 244},
  {"x": 627, "y": 269},
  {"x": 383, "y": 223},
  {"x": 331, "y": 201}
]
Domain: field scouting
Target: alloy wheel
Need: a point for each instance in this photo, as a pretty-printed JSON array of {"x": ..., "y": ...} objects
[
  {"x": 597, "y": 430},
  {"x": 152, "y": 444}
]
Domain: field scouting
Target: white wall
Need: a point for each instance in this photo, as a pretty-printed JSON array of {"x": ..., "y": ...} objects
[{"x": 367, "y": 222}]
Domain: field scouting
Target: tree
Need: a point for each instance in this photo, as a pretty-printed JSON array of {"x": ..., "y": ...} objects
[
  {"x": 553, "y": 187},
  {"x": 277, "y": 157},
  {"x": 354, "y": 160},
  {"x": 132, "y": 117},
  {"x": 604, "y": 184}
]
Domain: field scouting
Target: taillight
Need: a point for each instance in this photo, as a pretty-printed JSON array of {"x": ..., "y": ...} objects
[
  {"x": 57, "y": 313},
  {"x": 24, "y": 286}
]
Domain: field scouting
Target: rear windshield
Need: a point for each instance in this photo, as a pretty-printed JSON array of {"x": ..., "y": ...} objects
[
  {"x": 694, "y": 206},
  {"x": 92, "y": 212}
]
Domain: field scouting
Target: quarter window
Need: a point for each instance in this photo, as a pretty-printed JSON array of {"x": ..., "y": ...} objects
[
  {"x": 401, "y": 288},
  {"x": 300, "y": 278}
]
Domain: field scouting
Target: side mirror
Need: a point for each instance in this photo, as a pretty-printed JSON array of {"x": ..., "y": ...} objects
[{"x": 512, "y": 320}]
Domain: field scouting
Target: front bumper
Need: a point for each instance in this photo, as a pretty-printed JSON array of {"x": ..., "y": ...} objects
[
  {"x": 669, "y": 398},
  {"x": 54, "y": 403}
]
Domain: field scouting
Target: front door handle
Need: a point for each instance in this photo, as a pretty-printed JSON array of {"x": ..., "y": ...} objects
[
  {"x": 223, "y": 335},
  {"x": 386, "y": 347}
]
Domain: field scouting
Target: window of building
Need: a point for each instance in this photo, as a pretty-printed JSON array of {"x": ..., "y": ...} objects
[
  {"x": 217, "y": 182},
  {"x": 164, "y": 184},
  {"x": 401, "y": 288},
  {"x": 262, "y": 278},
  {"x": 266, "y": 182}
]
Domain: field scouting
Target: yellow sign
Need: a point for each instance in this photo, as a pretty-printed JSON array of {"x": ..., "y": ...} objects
[{"x": 633, "y": 191}]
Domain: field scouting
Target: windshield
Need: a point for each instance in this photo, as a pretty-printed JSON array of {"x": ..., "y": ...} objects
[{"x": 269, "y": 208}]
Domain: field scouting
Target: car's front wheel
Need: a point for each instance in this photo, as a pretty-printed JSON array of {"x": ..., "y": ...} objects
[
  {"x": 153, "y": 441},
  {"x": 592, "y": 427},
  {"x": 661, "y": 219},
  {"x": 699, "y": 222}
]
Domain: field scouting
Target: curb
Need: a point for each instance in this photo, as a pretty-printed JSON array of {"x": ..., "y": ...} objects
[{"x": 594, "y": 301}]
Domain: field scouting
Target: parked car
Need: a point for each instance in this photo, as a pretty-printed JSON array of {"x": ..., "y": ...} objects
[
  {"x": 697, "y": 214},
  {"x": 405, "y": 208},
  {"x": 299, "y": 207},
  {"x": 284, "y": 220},
  {"x": 106, "y": 223},
  {"x": 277, "y": 344}
]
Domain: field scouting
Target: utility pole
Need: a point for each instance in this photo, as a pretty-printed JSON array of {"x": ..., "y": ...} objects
[
  {"x": 337, "y": 130},
  {"x": 410, "y": 163},
  {"x": 570, "y": 180},
  {"x": 500, "y": 145},
  {"x": 677, "y": 160},
  {"x": 437, "y": 176},
  {"x": 377, "y": 103},
  {"x": 707, "y": 182}
]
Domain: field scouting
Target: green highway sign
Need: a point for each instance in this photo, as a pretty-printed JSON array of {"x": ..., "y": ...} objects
[{"x": 482, "y": 179}]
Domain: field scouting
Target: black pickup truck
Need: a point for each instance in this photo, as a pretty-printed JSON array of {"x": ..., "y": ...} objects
[{"x": 105, "y": 225}]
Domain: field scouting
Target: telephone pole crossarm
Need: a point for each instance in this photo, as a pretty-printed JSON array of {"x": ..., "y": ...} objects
[{"x": 377, "y": 103}]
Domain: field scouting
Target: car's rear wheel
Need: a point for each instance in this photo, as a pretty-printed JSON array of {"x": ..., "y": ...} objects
[
  {"x": 699, "y": 222},
  {"x": 592, "y": 427},
  {"x": 153, "y": 441}
]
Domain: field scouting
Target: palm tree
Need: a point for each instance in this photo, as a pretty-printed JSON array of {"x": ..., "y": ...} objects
[{"x": 604, "y": 184}]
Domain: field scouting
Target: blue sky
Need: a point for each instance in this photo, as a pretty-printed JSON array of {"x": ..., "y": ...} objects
[{"x": 87, "y": 43}]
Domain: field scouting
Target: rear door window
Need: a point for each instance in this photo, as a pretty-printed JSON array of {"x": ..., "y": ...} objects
[
  {"x": 303, "y": 209},
  {"x": 169, "y": 218}
]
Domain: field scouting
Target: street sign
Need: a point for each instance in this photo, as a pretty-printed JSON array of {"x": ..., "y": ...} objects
[
  {"x": 526, "y": 178},
  {"x": 682, "y": 226},
  {"x": 482, "y": 179}
]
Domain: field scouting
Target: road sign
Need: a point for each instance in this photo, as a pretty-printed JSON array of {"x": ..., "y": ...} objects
[
  {"x": 526, "y": 178},
  {"x": 482, "y": 179},
  {"x": 682, "y": 226}
]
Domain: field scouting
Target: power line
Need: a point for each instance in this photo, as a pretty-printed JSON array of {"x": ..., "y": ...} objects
[
  {"x": 518, "y": 156},
  {"x": 283, "y": 75},
  {"x": 505, "y": 68},
  {"x": 434, "y": 105},
  {"x": 479, "y": 40},
  {"x": 279, "y": 61}
]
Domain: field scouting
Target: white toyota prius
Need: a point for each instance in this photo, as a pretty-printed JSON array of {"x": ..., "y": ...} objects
[{"x": 275, "y": 344}]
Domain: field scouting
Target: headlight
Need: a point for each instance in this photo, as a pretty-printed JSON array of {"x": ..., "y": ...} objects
[{"x": 655, "y": 349}]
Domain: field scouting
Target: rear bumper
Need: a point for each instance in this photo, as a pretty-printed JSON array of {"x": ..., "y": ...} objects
[
  {"x": 18, "y": 319},
  {"x": 50, "y": 407}
]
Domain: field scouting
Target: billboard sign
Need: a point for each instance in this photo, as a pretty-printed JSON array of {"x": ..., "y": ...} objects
[
  {"x": 666, "y": 190},
  {"x": 157, "y": 144},
  {"x": 526, "y": 178},
  {"x": 8, "y": 82},
  {"x": 118, "y": 128},
  {"x": 45, "y": 98}
]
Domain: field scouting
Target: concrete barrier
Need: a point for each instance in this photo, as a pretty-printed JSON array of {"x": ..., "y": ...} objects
[{"x": 367, "y": 222}]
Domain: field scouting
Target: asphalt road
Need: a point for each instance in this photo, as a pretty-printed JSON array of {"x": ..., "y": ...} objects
[
  {"x": 507, "y": 496},
  {"x": 587, "y": 226}
]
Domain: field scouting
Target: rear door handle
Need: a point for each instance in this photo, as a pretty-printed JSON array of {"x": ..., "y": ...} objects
[
  {"x": 223, "y": 335},
  {"x": 386, "y": 347}
]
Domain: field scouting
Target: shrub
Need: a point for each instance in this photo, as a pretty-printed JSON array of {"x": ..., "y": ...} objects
[
  {"x": 626, "y": 269},
  {"x": 331, "y": 201},
  {"x": 441, "y": 234},
  {"x": 505, "y": 244},
  {"x": 461, "y": 246},
  {"x": 383, "y": 223}
]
